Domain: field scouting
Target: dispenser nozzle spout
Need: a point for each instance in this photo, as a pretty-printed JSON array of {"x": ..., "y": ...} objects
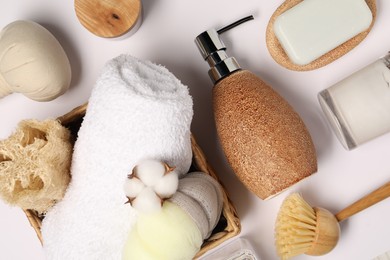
[
  {"x": 230, "y": 26},
  {"x": 213, "y": 50},
  {"x": 209, "y": 41}
]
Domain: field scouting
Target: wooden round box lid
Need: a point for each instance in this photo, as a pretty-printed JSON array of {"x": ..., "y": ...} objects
[{"x": 108, "y": 18}]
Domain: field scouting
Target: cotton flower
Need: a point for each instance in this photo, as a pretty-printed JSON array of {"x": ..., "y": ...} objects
[
  {"x": 149, "y": 184},
  {"x": 147, "y": 201},
  {"x": 167, "y": 185},
  {"x": 133, "y": 187},
  {"x": 149, "y": 171}
]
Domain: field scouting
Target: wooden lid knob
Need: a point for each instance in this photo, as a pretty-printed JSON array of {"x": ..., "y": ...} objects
[{"x": 107, "y": 18}]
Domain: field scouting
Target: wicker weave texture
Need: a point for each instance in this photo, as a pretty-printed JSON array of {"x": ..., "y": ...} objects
[{"x": 229, "y": 220}]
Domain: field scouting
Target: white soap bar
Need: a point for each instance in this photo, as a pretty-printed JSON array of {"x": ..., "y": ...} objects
[{"x": 314, "y": 27}]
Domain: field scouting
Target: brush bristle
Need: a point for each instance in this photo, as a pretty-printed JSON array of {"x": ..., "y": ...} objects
[{"x": 295, "y": 227}]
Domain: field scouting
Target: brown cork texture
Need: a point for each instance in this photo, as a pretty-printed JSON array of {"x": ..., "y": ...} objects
[
  {"x": 281, "y": 57},
  {"x": 264, "y": 139}
]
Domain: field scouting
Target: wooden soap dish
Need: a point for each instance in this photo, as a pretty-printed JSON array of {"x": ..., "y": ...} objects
[{"x": 279, "y": 55}]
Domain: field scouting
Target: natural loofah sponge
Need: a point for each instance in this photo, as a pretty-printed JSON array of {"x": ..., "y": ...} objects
[{"x": 34, "y": 164}]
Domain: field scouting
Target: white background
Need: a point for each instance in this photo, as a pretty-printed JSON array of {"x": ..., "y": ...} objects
[{"x": 166, "y": 36}]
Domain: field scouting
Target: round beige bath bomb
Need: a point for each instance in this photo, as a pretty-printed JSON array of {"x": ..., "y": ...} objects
[{"x": 32, "y": 62}]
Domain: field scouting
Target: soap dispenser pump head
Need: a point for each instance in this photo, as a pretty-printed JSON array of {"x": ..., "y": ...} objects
[{"x": 213, "y": 50}]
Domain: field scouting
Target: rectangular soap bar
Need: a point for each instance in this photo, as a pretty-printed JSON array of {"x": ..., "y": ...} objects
[{"x": 314, "y": 27}]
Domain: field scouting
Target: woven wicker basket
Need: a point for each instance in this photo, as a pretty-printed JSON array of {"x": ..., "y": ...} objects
[{"x": 229, "y": 223}]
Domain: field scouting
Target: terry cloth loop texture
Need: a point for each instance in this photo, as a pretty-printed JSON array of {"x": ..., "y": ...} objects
[{"x": 137, "y": 110}]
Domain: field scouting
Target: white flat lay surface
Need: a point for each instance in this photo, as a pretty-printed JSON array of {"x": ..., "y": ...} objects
[{"x": 166, "y": 36}]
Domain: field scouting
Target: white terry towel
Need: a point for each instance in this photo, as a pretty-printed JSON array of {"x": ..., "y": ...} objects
[{"x": 137, "y": 110}]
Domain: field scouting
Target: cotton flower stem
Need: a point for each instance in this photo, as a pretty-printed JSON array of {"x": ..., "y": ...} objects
[{"x": 168, "y": 168}]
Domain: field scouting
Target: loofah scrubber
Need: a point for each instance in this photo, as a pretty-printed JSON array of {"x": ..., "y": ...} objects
[{"x": 34, "y": 164}]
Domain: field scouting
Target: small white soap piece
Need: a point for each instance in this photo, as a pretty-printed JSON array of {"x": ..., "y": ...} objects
[{"x": 314, "y": 27}]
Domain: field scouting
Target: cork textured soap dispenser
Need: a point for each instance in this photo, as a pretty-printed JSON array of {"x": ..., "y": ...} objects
[{"x": 264, "y": 140}]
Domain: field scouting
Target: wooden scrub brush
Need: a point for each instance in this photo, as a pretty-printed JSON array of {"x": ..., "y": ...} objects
[{"x": 301, "y": 229}]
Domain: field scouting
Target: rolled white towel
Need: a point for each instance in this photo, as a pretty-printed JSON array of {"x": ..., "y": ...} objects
[{"x": 137, "y": 110}]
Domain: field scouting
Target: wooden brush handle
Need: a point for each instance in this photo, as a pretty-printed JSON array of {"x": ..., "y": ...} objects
[{"x": 374, "y": 197}]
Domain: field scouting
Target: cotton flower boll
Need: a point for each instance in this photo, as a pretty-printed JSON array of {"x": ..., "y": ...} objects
[
  {"x": 133, "y": 187},
  {"x": 149, "y": 171},
  {"x": 147, "y": 201},
  {"x": 150, "y": 183},
  {"x": 167, "y": 185}
]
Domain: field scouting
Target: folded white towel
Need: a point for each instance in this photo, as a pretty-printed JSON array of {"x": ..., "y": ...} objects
[{"x": 137, "y": 110}]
